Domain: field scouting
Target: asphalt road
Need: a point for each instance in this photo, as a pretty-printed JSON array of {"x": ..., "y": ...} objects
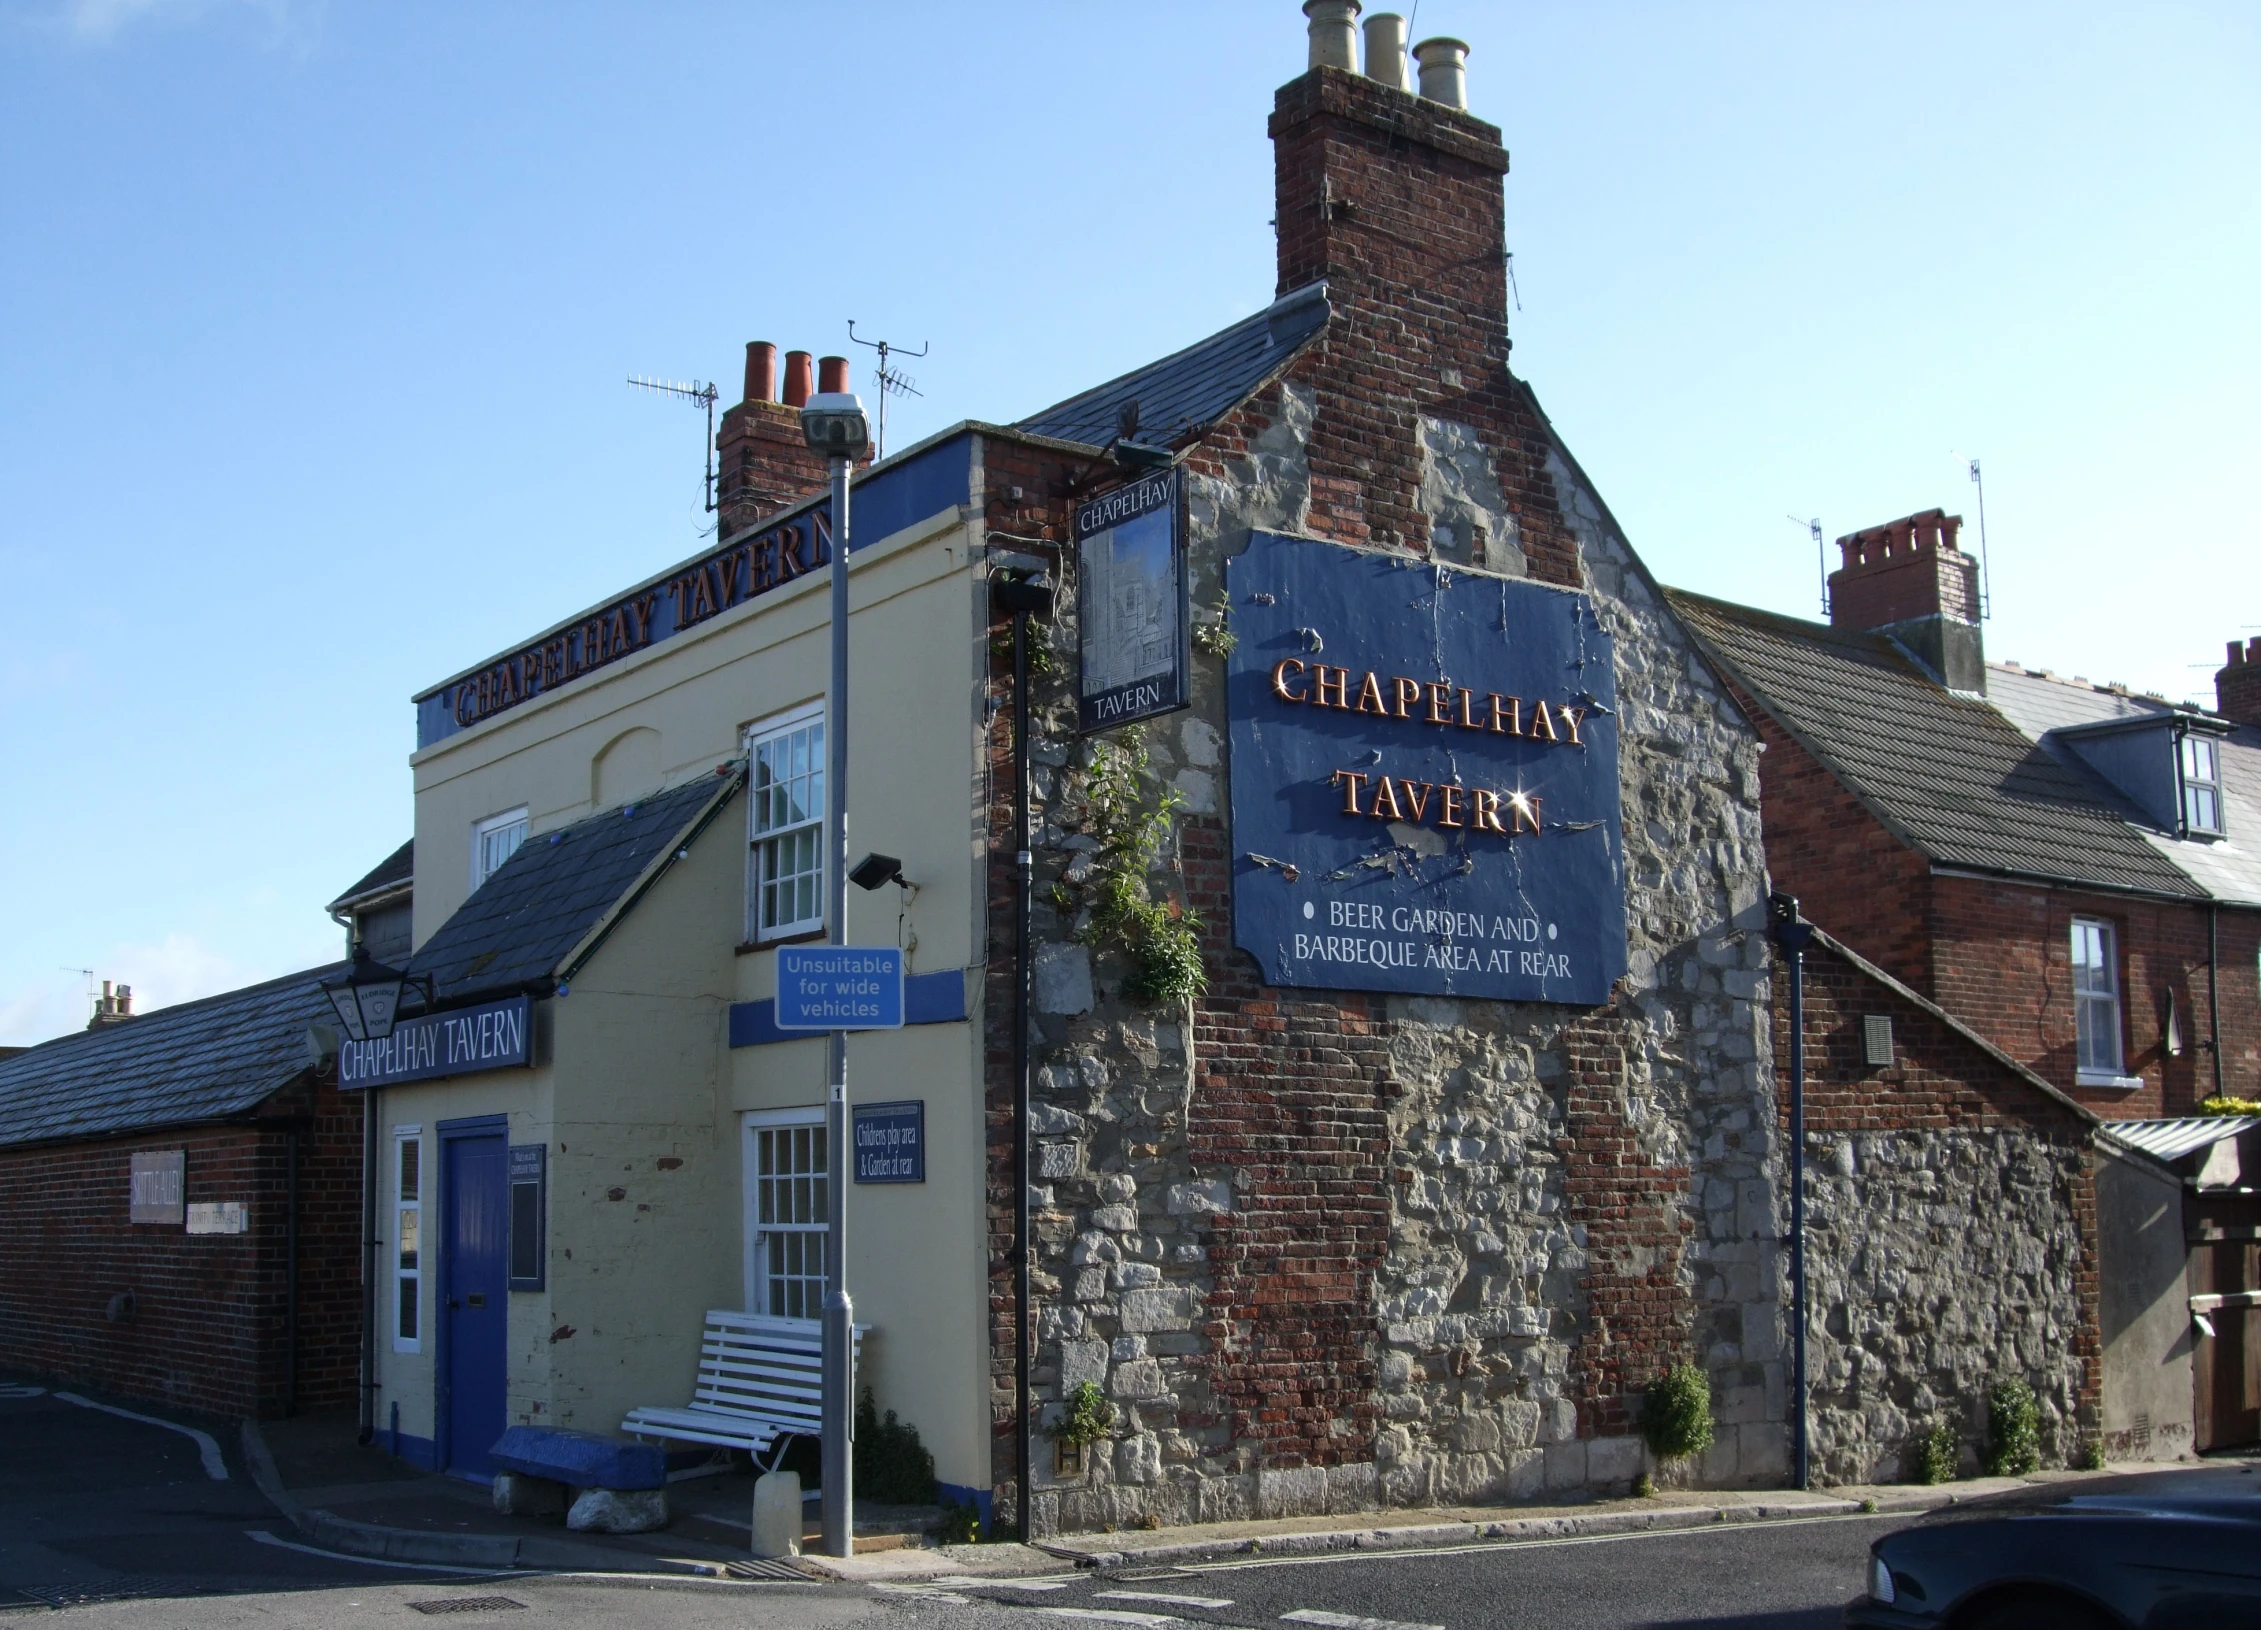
[{"x": 117, "y": 1521}]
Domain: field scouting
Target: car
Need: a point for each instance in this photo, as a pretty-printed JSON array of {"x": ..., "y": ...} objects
[{"x": 2169, "y": 1550}]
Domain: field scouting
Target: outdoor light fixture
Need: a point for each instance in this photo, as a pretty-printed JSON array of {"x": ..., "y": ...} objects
[
  {"x": 368, "y": 998},
  {"x": 875, "y": 870},
  {"x": 835, "y": 426}
]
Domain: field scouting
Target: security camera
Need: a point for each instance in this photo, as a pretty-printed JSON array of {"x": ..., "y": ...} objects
[{"x": 875, "y": 870}]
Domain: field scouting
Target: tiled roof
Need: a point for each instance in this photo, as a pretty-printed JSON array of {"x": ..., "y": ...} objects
[
  {"x": 2171, "y": 1140},
  {"x": 199, "y": 1061},
  {"x": 521, "y": 924},
  {"x": 2227, "y": 868},
  {"x": 1949, "y": 774},
  {"x": 395, "y": 869},
  {"x": 1193, "y": 389}
]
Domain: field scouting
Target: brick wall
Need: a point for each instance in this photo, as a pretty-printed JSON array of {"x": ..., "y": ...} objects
[
  {"x": 1951, "y": 1234},
  {"x": 209, "y": 1331}
]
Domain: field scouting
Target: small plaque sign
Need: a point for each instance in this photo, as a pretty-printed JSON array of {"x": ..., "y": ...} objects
[
  {"x": 157, "y": 1193},
  {"x": 890, "y": 1142},
  {"x": 219, "y": 1217},
  {"x": 839, "y": 987}
]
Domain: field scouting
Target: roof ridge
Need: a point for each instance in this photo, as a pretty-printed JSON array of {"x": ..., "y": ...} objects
[{"x": 138, "y": 1024}]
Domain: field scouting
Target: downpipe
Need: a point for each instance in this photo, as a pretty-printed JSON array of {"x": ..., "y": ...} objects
[{"x": 1793, "y": 934}]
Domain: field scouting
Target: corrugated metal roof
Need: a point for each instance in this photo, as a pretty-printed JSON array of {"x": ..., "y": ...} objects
[
  {"x": 1950, "y": 774},
  {"x": 389, "y": 873},
  {"x": 175, "y": 1066},
  {"x": 2228, "y": 867},
  {"x": 2171, "y": 1140},
  {"x": 520, "y": 924},
  {"x": 1194, "y": 388}
]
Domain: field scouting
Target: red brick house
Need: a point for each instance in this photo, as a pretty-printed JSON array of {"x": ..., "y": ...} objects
[
  {"x": 2069, "y": 873},
  {"x": 180, "y": 1208}
]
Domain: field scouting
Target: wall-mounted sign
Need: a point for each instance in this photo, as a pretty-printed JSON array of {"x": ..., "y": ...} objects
[
  {"x": 839, "y": 987},
  {"x": 890, "y": 1142},
  {"x": 1424, "y": 778},
  {"x": 491, "y": 1036},
  {"x": 1131, "y": 623},
  {"x": 157, "y": 1192},
  {"x": 219, "y": 1217},
  {"x": 529, "y": 1166}
]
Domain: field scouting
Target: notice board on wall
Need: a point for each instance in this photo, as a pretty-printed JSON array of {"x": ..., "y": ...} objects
[
  {"x": 158, "y": 1187},
  {"x": 1424, "y": 777}
]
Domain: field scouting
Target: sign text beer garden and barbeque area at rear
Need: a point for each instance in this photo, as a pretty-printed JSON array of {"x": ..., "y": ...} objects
[{"x": 1424, "y": 778}]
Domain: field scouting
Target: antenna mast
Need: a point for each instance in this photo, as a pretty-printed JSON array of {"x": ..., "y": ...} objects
[
  {"x": 1985, "y": 566},
  {"x": 1821, "y": 556},
  {"x": 891, "y": 383},
  {"x": 705, "y": 394}
]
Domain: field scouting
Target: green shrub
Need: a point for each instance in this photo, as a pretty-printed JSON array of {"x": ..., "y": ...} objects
[
  {"x": 961, "y": 1523},
  {"x": 2092, "y": 1455},
  {"x": 1676, "y": 1414},
  {"x": 1089, "y": 1417},
  {"x": 892, "y": 1466},
  {"x": 2013, "y": 1429},
  {"x": 1643, "y": 1486},
  {"x": 1160, "y": 938},
  {"x": 1939, "y": 1454}
]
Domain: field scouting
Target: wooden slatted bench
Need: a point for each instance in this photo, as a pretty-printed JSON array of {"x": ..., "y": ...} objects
[{"x": 761, "y": 1384}]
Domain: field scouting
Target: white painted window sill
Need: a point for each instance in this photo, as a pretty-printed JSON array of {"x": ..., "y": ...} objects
[{"x": 2106, "y": 1078}]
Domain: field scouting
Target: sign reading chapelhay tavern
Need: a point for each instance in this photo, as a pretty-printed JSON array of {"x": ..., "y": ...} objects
[
  {"x": 1424, "y": 778},
  {"x": 491, "y": 1036},
  {"x": 1131, "y": 603}
]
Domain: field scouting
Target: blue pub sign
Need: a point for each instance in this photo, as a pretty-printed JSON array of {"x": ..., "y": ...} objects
[{"x": 1424, "y": 778}]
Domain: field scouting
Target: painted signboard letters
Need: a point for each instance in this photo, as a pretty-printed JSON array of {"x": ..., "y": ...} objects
[
  {"x": 1131, "y": 603},
  {"x": 1424, "y": 778},
  {"x": 890, "y": 1142},
  {"x": 491, "y": 1036}
]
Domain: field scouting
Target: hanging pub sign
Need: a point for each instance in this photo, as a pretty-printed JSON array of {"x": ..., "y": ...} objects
[
  {"x": 1424, "y": 778},
  {"x": 1131, "y": 603}
]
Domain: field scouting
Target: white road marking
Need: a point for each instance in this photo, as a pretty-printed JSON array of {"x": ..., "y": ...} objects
[
  {"x": 214, "y": 1466},
  {"x": 1351, "y": 1621},
  {"x": 968, "y": 1582},
  {"x": 1107, "y": 1615},
  {"x": 1399, "y": 1553},
  {"x": 265, "y": 1538},
  {"x": 1162, "y": 1596},
  {"x": 12, "y": 1391}
]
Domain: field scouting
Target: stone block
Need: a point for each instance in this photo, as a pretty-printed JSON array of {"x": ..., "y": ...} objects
[
  {"x": 1353, "y": 1487},
  {"x": 1082, "y": 1361},
  {"x": 618, "y": 1511},
  {"x": 1059, "y": 1159},
  {"x": 1566, "y": 1465},
  {"x": 1139, "y": 1459},
  {"x": 1139, "y": 1380},
  {"x": 1063, "y": 978},
  {"x": 1199, "y": 1199},
  {"x": 1526, "y": 1474},
  {"x": 1119, "y": 1219},
  {"x": 1169, "y": 1307},
  {"x": 1045, "y": 1120},
  {"x": 517, "y": 1494},
  {"x": 1137, "y": 1276},
  {"x": 1762, "y": 1452},
  {"x": 777, "y": 1514},
  {"x": 1614, "y": 1460},
  {"x": 1295, "y": 1491}
]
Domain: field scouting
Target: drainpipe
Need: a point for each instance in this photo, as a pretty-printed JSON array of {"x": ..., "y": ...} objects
[
  {"x": 290, "y": 1278},
  {"x": 369, "y": 1181},
  {"x": 1793, "y": 934},
  {"x": 1021, "y": 591},
  {"x": 2214, "y": 990}
]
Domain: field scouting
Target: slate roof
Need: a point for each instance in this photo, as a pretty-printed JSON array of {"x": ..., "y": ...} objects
[
  {"x": 2228, "y": 867},
  {"x": 1191, "y": 390},
  {"x": 198, "y": 1061},
  {"x": 1950, "y": 775},
  {"x": 390, "y": 873},
  {"x": 520, "y": 926}
]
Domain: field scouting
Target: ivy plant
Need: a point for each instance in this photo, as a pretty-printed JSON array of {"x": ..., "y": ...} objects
[{"x": 1133, "y": 817}]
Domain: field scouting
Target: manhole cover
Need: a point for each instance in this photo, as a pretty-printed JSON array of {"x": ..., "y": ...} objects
[
  {"x": 765, "y": 1568},
  {"x": 466, "y": 1604},
  {"x": 126, "y": 1588}
]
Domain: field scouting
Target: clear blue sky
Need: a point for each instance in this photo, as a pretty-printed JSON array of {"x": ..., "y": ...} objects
[{"x": 314, "y": 320}]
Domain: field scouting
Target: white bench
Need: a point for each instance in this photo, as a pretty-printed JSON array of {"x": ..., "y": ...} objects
[{"x": 761, "y": 1382}]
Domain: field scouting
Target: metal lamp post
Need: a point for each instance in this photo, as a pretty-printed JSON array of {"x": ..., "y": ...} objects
[{"x": 834, "y": 424}]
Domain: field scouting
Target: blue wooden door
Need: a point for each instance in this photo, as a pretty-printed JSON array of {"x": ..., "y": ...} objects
[{"x": 474, "y": 1302}]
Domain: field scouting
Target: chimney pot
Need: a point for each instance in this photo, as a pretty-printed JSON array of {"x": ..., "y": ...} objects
[
  {"x": 1444, "y": 71},
  {"x": 125, "y": 998},
  {"x": 799, "y": 383},
  {"x": 1334, "y": 33},
  {"x": 2237, "y": 687},
  {"x": 761, "y": 371},
  {"x": 832, "y": 375},
  {"x": 1385, "y": 51}
]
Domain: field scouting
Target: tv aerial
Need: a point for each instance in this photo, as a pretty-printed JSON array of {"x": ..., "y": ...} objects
[
  {"x": 1821, "y": 555},
  {"x": 695, "y": 391},
  {"x": 892, "y": 382}
]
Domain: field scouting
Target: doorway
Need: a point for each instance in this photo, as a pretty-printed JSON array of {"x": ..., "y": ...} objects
[{"x": 473, "y": 1304}]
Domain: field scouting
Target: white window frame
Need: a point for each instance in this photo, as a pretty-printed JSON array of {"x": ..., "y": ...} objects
[
  {"x": 757, "y": 1232},
  {"x": 2096, "y": 1005},
  {"x": 493, "y": 826},
  {"x": 758, "y": 837},
  {"x": 2191, "y": 785},
  {"x": 407, "y": 1281}
]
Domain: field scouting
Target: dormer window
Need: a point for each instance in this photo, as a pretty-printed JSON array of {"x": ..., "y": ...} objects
[{"x": 2201, "y": 766}]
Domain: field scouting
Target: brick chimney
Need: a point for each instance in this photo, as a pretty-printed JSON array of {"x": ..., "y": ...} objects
[
  {"x": 1906, "y": 579},
  {"x": 1396, "y": 201},
  {"x": 2237, "y": 688},
  {"x": 765, "y": 463},
  {"x": 111, "y": 1007}
]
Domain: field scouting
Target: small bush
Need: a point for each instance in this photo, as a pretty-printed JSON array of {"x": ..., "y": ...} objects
[
  {"x": 1089, "y": 1418},
  {"x": 1939, "y": 1454},
  {"x": 2013, "y": 1429},
  {"x": 2092, "y": 1455},
  {"x": 1643, "y": 1486},
  {"x": 1676, "y": 1415},
  {"x": 961, "y": 1523},
  {"x": 892, "y": 1466}
]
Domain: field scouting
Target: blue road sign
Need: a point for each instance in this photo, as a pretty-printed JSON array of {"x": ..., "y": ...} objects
[
  {"x": 890, "y": 1142},
  {"x": 839, "y": 987}
]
